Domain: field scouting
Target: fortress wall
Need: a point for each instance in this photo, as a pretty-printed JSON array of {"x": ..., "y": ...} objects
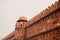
[
  {"x": 52, "y": 35},
  {"x": 49, "y": 22},
  {"x": 42, "y": 14}
]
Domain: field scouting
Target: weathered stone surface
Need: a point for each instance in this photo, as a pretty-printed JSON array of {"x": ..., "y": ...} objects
[{"x": 44, "y": 26}]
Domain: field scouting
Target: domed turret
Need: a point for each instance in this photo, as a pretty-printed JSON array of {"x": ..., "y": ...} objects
[
  {"x": 22, "y": 18},
  {"x": 20, "y": 28}
]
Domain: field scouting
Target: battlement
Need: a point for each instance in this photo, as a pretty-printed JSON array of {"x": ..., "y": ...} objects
[
  {"x": 42, "y": 14},
  {"x": 44, "y": 26}
]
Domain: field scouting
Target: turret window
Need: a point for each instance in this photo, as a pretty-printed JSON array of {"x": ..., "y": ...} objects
[{"x": 21, "y": 24}]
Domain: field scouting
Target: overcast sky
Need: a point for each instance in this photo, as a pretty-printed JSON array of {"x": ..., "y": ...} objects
[{"x": 11, "y": 10}]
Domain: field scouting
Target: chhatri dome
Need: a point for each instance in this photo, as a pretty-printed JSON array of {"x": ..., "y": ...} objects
[{"x": 22, "y": 18}]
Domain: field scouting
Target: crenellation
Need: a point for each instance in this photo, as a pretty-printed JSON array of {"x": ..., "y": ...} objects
[
  {"x": 44, "y": 26},
  {"x": 46, "y": 11}
]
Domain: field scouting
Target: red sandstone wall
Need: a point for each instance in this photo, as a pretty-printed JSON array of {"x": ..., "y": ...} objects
[
  {"x": 37, "y": 25},
  {"x": 47, "y": 23},
  {"x": 53, "y": 35},
  {"x": 11, "y": 38}
]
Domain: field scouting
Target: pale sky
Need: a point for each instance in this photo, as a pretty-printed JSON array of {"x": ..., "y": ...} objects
[{"x": 11, "y": 10}]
